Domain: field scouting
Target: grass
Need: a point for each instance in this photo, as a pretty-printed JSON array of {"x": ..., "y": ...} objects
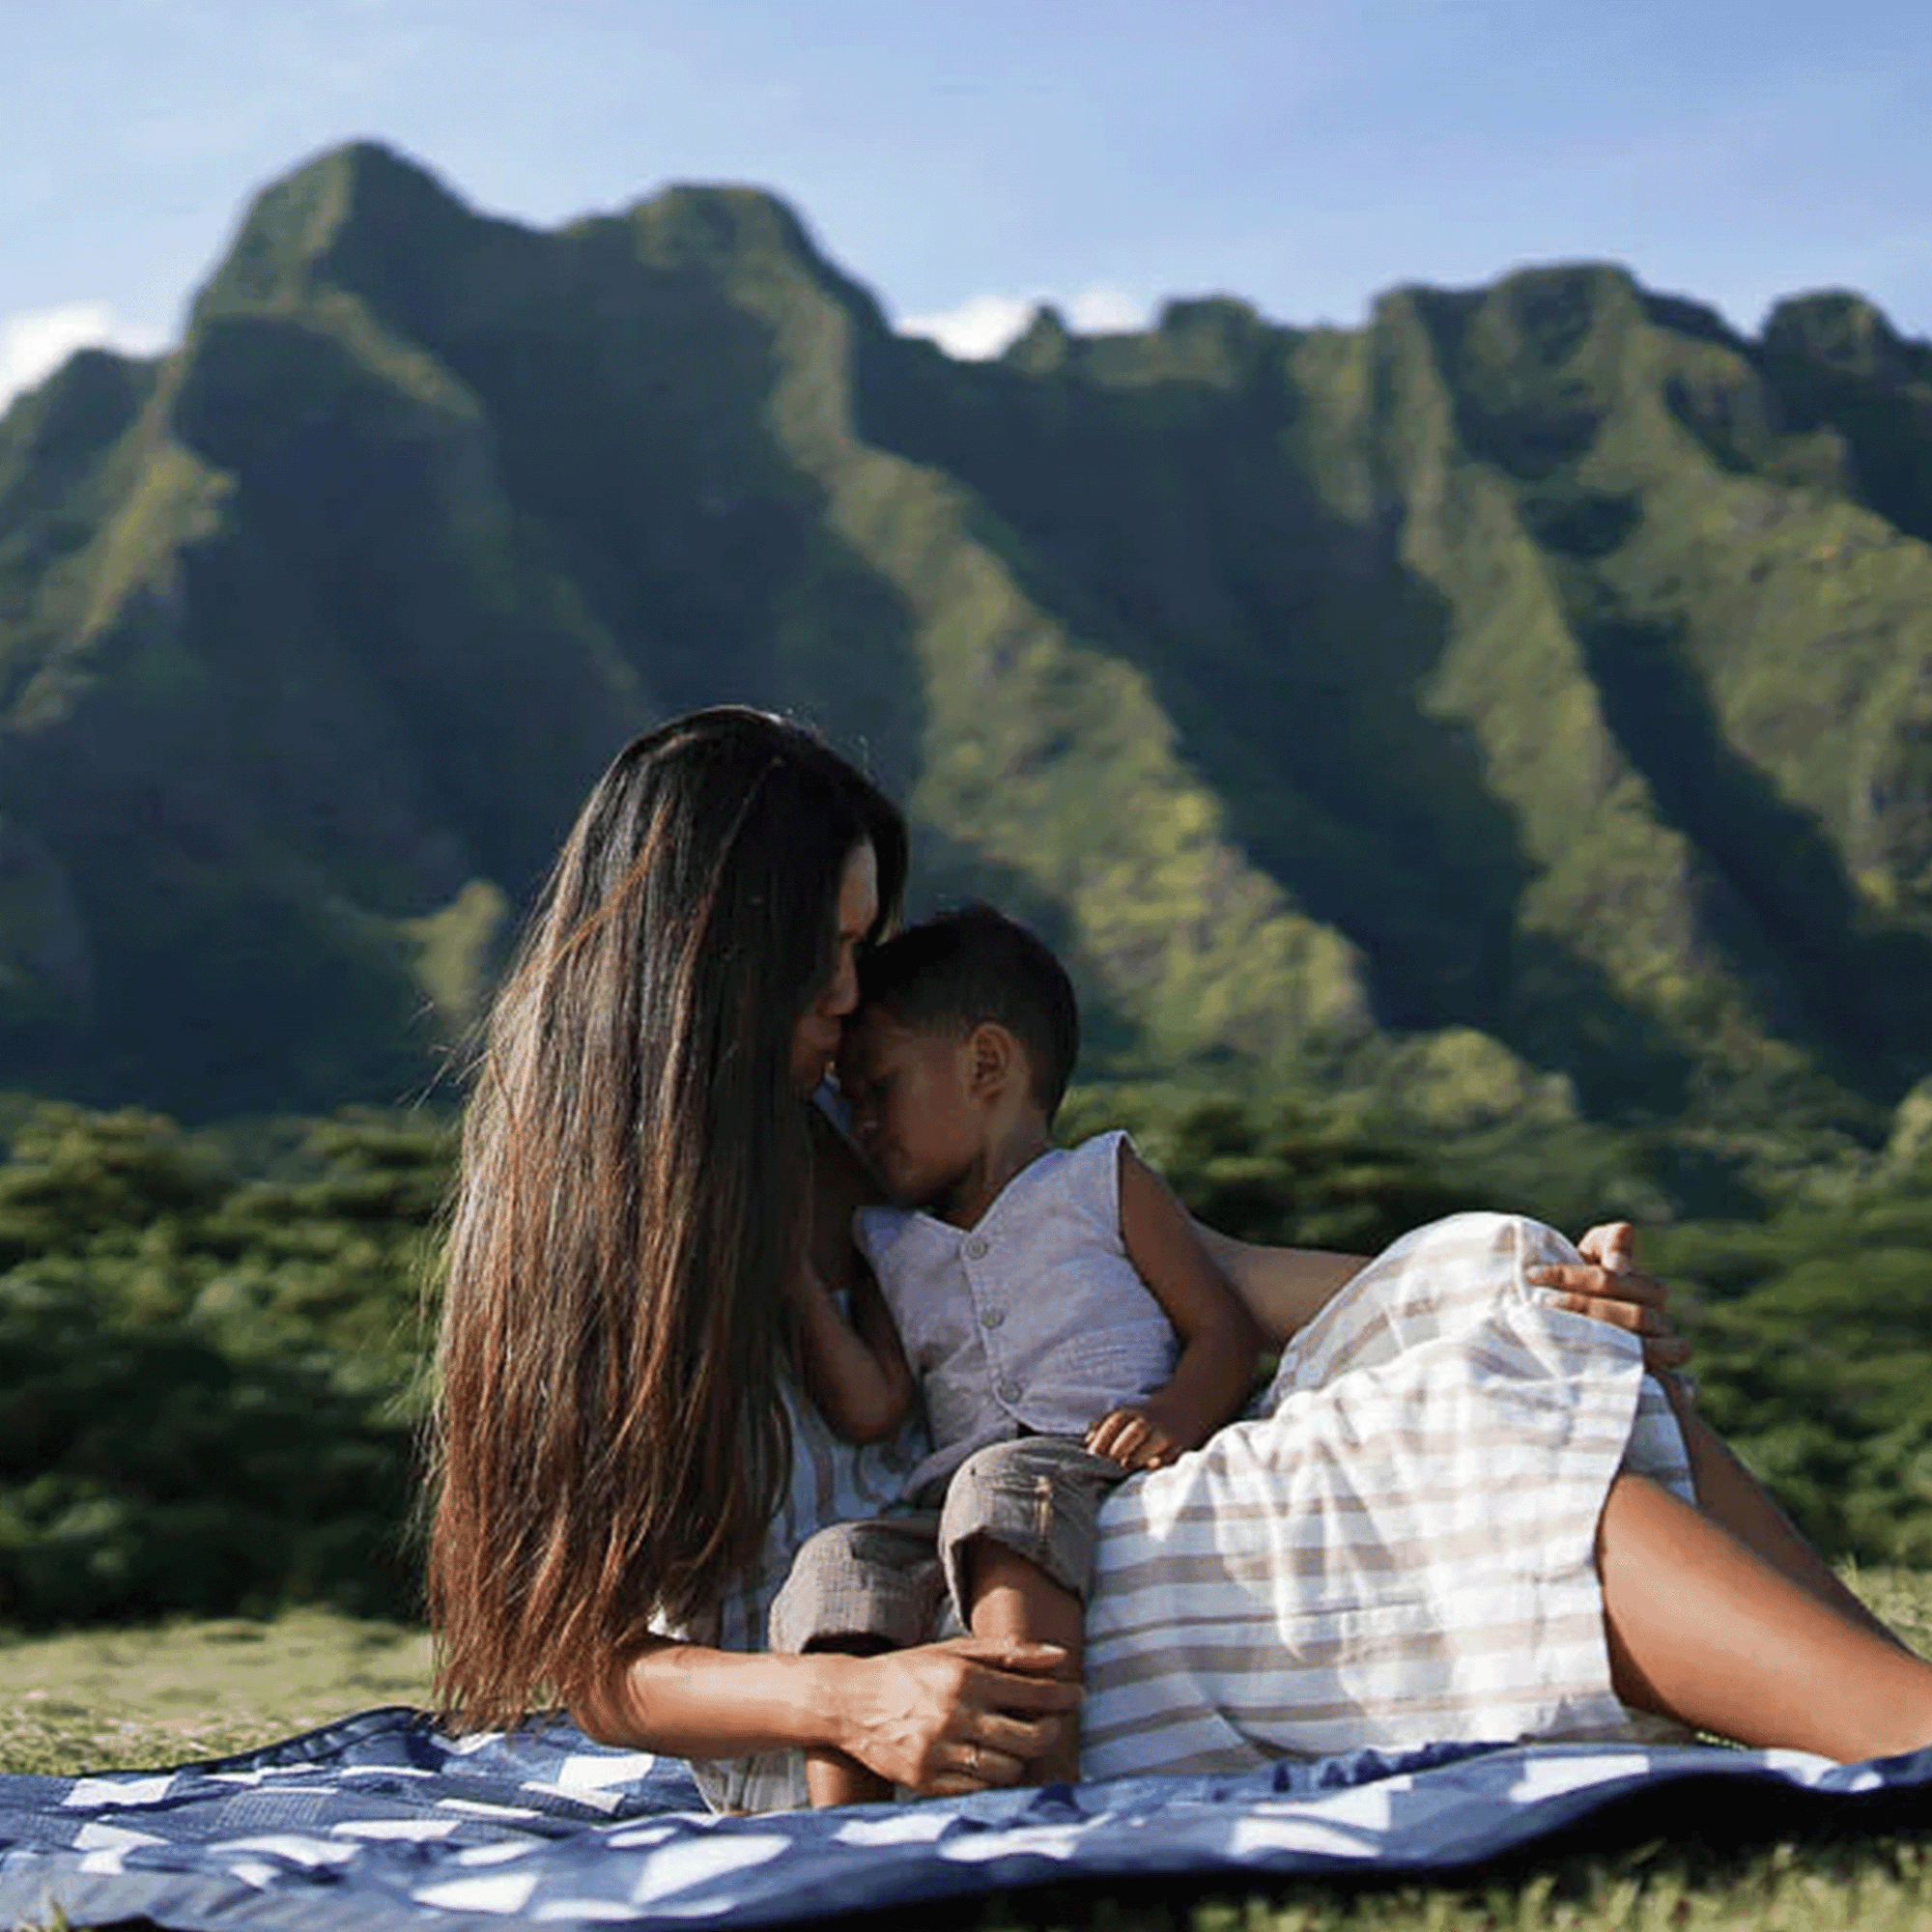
[
  {"x": 125, "y": 1699},
  {"x": 129, "y": 1698}
]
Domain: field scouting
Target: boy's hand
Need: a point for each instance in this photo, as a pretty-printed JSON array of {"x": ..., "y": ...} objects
[{"x": 1135, "y": 1437}]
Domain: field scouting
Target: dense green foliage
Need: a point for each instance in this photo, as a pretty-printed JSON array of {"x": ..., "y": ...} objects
[
  {"x": 213, "y": 1344},
  {"x": 1544, "y": 667},
  {"x": 210, "y": 1381},
  {"x": 1814, "y": 1338},
  {"x": 1276, "y": 1175}
]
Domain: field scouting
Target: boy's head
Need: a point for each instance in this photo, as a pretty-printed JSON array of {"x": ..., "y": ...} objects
[{"x": 958, "y": 1018}]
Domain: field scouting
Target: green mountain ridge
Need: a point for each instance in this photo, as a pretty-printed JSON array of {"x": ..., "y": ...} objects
[{"x": 1531, "y": 687}]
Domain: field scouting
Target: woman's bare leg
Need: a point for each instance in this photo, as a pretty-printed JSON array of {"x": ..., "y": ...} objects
[
  {"x": 1729, "y": 1495},
  {"x": 1703, "y": 1628}
]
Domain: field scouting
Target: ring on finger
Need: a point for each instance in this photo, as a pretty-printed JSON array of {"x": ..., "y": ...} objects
[{"x": 973, "y": 1759}]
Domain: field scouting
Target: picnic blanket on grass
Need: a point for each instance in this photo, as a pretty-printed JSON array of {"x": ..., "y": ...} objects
[{"x": 377, "y": 1823}]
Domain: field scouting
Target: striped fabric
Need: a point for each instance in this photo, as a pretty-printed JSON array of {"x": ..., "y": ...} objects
[{"x": 1397, "y": 1549}]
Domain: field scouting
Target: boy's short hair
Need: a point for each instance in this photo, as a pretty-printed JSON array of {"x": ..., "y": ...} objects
[{"x": 961, "y": 968}]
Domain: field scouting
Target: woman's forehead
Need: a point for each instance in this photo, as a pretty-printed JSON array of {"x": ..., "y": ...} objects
[{"x": 859, "y": 888}]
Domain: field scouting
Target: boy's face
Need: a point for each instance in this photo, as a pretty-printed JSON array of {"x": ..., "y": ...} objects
[{"x": 913, "y": 1104}]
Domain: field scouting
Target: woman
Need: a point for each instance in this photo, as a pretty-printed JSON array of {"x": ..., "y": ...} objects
[{"x": 649, "y": 1204}]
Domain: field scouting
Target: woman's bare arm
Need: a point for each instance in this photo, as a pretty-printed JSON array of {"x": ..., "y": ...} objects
[
  {"x": 691, "y": 1701},
  {"x": 1284, "y": 1288},
  {"x": 840, "y": 1186},
  {"x": 942, "y": 1717}
]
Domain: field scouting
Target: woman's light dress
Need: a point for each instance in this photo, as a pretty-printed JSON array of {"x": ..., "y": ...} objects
[{"x": 1397, "y": 1547}]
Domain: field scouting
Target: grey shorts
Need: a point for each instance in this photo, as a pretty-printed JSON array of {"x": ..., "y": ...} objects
[{"x": 883, "y": 1580}]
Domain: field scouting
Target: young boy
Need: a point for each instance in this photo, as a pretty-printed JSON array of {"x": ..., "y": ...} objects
[{"x": 1065, "y": 1325}]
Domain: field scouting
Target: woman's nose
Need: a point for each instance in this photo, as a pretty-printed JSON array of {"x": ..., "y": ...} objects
[{"x": 842, "y": 994}]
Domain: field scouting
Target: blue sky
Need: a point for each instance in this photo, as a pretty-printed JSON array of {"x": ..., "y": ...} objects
[{"x": 966, "y": 160}]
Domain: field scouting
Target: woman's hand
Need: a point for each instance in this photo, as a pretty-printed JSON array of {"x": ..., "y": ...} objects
[
  {"x": 1608, "y": 1284},
  {"x": 955, "y": 1716}
]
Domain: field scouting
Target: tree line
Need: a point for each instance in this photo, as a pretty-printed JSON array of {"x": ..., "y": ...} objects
[{"x": 214, "y": 1344}]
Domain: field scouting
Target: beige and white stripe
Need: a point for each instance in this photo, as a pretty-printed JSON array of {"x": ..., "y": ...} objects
[{"x": 1399, "y": 1547}]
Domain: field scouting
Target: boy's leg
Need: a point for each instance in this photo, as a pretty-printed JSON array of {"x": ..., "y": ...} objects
[
  {"x": 858, "y": 1588},
  {"x": 832, "y": 1776},
  {"x": 1701, "y": 1627},
  {"x": 1011, "y": 1598},
  {"x": 1016, "y": 1537}
]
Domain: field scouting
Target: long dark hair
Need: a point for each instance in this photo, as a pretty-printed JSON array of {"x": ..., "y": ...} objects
[{"x": 608, "y": 1444}]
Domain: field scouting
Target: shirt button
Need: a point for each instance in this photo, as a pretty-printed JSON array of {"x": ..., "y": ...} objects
[
  {"x": 992, "y": 1319},
  {"x": 1010, "y": 1391},
  {"x": 976, "y": 1247}
]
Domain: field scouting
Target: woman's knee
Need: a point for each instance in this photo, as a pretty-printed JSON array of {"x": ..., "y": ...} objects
[
  {"x": 1484, "y": 1231},
  {"x": 1436, "y": 1281}
]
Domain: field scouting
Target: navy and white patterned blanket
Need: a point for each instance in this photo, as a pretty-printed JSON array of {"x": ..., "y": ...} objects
[{"x": 377, "y": 1823}]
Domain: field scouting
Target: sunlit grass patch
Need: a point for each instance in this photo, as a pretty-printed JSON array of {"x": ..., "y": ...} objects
[{"x": 105, "y": 1700}]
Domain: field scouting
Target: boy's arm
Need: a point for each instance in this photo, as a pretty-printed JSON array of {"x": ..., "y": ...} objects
[
  {"x": 1219, "y": 1339},
  {"x": 856, "y": 1370}
]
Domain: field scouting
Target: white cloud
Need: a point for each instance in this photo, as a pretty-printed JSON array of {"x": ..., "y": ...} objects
[
  {"x": 36, "y": 342},
  {"x": 976, "y": 329},
  {"x": 985, "y": 324},
  {"x": 1104, "y": 311}
]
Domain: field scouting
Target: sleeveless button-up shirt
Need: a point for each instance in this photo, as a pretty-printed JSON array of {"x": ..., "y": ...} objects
[{"x": 1031, "y": 1321}]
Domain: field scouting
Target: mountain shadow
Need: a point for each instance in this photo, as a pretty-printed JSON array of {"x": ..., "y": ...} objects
[
  {"x": 1152, "y": 507},
  {"x": 1796, "y": 915},
  {"x": 489, "y": 502}
]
